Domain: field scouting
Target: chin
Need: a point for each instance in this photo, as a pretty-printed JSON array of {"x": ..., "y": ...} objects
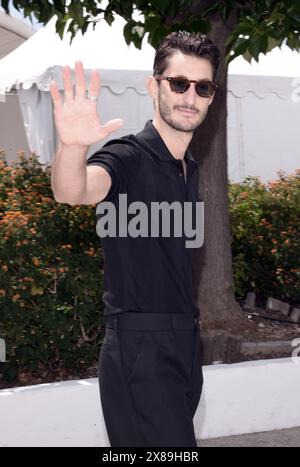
[{"x": 185, "y": 127}]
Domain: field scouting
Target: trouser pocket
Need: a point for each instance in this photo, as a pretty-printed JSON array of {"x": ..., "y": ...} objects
[{"x": 132, "y": 344}]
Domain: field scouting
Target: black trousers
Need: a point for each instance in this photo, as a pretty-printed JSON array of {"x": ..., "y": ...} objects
[{"x": 150, "y": 377}]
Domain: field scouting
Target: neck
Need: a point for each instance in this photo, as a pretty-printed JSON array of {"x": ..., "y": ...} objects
[{"x": 176, "y": 141}]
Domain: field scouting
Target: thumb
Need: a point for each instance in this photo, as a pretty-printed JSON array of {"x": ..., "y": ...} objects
[{"x": 113, "y": 125}]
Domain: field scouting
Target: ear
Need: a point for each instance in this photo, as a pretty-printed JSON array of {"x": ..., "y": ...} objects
[{"x": 151, "y": 86}]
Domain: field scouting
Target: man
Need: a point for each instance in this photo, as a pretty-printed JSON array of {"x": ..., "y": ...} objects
[{"x": 150, "y": 372}]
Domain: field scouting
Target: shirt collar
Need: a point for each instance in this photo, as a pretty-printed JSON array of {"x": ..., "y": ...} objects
[{"x": 151, "y": 137}]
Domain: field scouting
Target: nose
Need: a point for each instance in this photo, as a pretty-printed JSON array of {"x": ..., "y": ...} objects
[{"x": 190, "y": 96}]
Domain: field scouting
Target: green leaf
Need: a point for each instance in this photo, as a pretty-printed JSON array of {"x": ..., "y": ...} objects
[
  {"x": 241, "y": 45},
  {"x": 293, "y": 42},
  {"x": 244, "y": 28},
  {"x": 230, "y": 40},
  {"x": 4, "y": 4},
  {"x": 211, "y": 10},
  {"x": 240, "y": 48},
  {"x": 184, "y": 4},
  {"x": 109, "y": 17},
  {"x": 36, "y": 290},
  {"x": 156, "y": 36},
  {"x": 247, "y": 56},
  {"x": 59, "y": 6},
  {"x": 152, "y": 22},
  {"x": 255, "y": 47},
  {"x": 199, "y": 25},
  {"x": 264, "y": 44},
  {"x": 128, "y": 31},
  {"x": 75, "y": 10},
  {"x": 162, "y": 5},
  {"x": 173, "y": 9},
  {"x": 272, "y": 43},
  {"x": 84, "y": 27},
  {"x": 225, "y": 11},
  {"x": 16, "y": 5},
  {"x": 269, "y": 3},
  {"x": 60, "y": 27}
]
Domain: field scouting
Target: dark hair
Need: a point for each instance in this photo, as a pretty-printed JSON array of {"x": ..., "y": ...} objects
[{"x": 188, "y": 43}]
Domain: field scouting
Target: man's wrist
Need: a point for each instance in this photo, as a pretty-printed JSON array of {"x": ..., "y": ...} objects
[{"x": 74, "y": 149}]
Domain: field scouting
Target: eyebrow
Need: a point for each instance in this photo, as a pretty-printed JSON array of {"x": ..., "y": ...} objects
[{"x": 185, "y": 77}]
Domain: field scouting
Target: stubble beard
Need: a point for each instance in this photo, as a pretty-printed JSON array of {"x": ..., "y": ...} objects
[{"x": 166, "y": 115}]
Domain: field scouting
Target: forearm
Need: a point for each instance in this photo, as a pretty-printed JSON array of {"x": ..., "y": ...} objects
[{"x": 69, "y": 174}]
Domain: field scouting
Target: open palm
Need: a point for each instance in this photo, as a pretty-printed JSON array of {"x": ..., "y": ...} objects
[{"x": 76, "y": 119}]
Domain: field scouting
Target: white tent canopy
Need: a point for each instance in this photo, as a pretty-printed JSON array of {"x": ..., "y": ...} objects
[
  {"x": 13, "y": 32},
  {"x": 31, "y": 67},
  {"x": 263, "y": 111},
  {"x": 102, "y": 48}
]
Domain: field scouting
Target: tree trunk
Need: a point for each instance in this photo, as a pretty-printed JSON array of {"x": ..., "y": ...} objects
[{"x": 214, "y": 287}]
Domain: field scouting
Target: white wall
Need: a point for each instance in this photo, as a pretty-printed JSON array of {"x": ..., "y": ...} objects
[
  {"x": 263, "y": 127},
  {"x": 12, "y": 132},
  {"x": 240, "y": 398},
  {"x": 249, "y": 397}
]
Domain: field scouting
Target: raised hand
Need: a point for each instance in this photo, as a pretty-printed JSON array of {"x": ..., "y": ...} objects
[{"x": 76, "y": 118}]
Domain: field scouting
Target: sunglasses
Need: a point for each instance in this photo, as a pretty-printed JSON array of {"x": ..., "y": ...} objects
[{"x": 204, "y": 87}]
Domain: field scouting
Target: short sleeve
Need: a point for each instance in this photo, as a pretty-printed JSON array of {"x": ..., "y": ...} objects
[{"x": 120, "y": 158}]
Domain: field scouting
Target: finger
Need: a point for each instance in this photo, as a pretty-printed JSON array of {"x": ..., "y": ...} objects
[
  {"x": 113, "y": 125},
  {"x": 68, "y": 86},
  {"x": 95, "y": 83},
  {"x": 57, "y": 101},
  {"x": 80, "y": 80}
]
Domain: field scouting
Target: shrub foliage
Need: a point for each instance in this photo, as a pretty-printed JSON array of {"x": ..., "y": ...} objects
[
  {"x": 51, "y": 264},
  {"x": 50, "y": 274},
  {"x": 265, "y": 223}
]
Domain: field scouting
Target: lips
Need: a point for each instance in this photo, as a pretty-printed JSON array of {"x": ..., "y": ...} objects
[{"x": 187, "y": 111}]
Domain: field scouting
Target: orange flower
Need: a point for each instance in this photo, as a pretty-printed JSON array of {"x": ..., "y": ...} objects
[
  {"x": 16, "y": 297},
  {"x": 67, "y": 246}
]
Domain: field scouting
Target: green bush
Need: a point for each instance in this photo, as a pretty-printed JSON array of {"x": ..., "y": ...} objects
[
  {"x": 51, "y": 265},
  {"x": 265, "y": 223},
  {"x": 50, "y": 275}
]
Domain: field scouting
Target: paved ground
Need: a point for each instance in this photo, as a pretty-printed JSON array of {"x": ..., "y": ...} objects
[{"x": 281, "y": 438}]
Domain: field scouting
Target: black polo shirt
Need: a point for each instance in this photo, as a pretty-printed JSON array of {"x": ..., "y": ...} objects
[{"x": 147, "y": 274}]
